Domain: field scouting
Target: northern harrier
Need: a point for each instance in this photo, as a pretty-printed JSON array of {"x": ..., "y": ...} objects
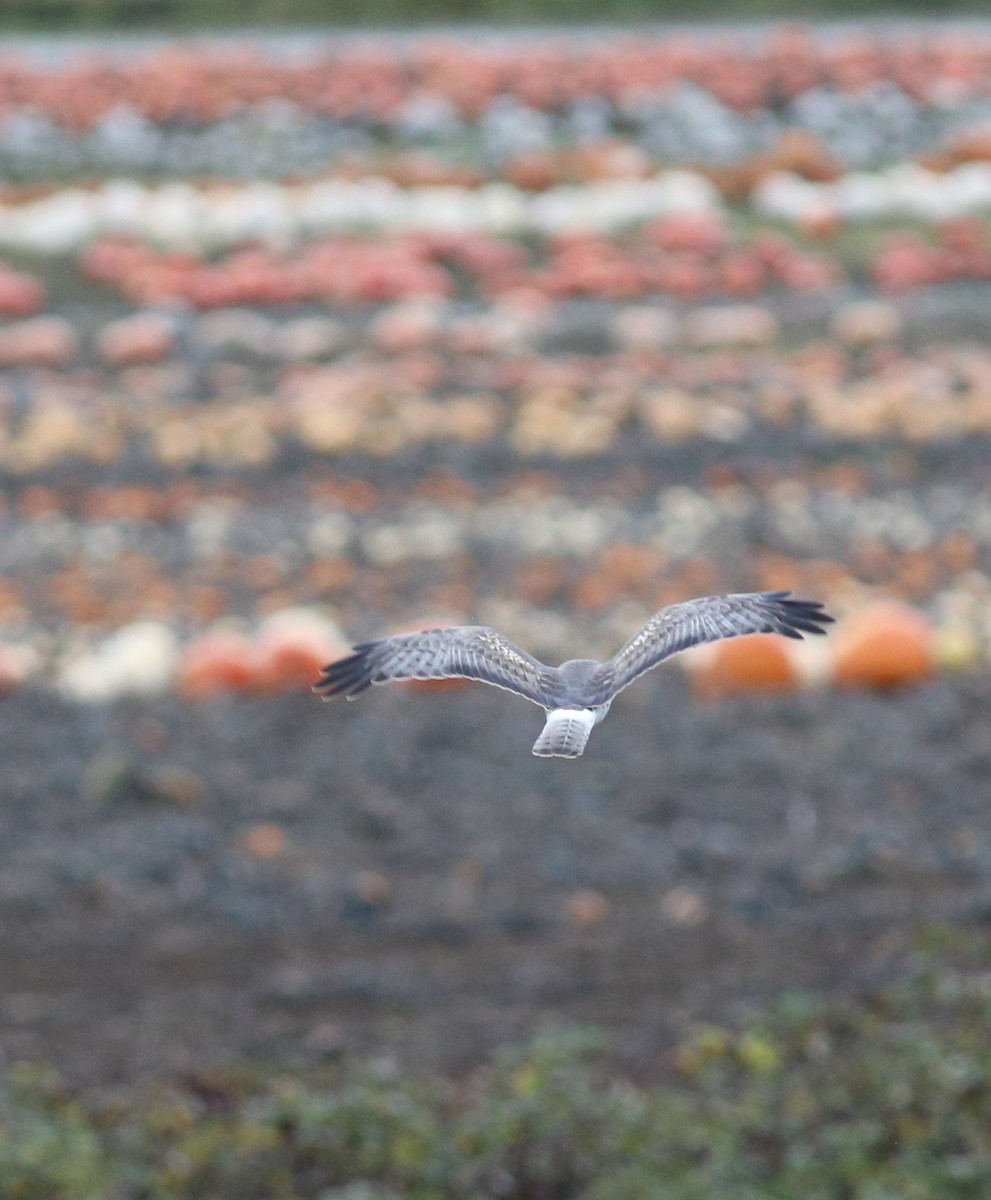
[{"x": 577, "y": 694}]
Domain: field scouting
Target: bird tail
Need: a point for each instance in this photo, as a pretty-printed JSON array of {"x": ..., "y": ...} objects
[{"x": 565, "y": 734}]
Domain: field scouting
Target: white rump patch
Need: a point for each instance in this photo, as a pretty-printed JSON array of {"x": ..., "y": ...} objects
[{"x": 565, "y": 734}]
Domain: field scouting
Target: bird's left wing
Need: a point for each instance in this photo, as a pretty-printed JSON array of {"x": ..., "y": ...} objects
[
  {"x": 462, "y": 651},
  {"x": 707, "y": 619}
]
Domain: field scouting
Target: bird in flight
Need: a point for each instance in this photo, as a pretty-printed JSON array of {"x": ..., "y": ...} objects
[{"x": 577, "y": 694}]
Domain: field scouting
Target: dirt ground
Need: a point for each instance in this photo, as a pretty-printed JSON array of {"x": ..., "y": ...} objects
[{"x": 429, "y": 901}]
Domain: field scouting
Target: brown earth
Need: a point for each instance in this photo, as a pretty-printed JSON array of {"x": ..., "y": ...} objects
[{"x": 429, "y": 901}]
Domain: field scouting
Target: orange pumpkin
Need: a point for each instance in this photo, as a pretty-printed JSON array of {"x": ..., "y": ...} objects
[
  {"x": 758, "y": 662},
  {"x": 219, "y": 661},
  {"x": 264, "y": 840},
  {"x": 143, "y": 338},
  {"x": 885, "y": 645}
]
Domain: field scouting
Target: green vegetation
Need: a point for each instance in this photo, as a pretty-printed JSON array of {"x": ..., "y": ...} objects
[
  {"x": 889, "y": 1096},
  {"x": 174, "y": 15}
]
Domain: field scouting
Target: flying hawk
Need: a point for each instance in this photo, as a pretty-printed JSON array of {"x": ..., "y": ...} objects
[{"x": 577, "y": 694}]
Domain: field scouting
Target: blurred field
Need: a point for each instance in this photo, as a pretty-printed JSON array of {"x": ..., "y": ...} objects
[
  {"x": 173, "y": 15},
  {"x": 303, "y": 344}
]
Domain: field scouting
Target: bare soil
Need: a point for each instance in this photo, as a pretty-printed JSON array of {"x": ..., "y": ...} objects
[{"x": 427, "y": 903}]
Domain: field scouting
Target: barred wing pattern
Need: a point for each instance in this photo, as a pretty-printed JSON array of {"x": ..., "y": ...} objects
[
  {"x": 464, "y": 651},
  {"x": 707, "y": 619}
]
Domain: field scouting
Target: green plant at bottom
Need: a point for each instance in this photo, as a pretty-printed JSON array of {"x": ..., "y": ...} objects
[{"x": 886, "y": 1097}]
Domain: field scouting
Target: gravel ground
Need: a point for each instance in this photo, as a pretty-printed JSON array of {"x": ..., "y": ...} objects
[{"x": 430, "y": 900}]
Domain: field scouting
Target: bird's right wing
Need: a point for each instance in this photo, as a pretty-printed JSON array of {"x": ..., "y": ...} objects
[
  {"x": 707, "y": 619},
  {"x": 460, "y": 652}
]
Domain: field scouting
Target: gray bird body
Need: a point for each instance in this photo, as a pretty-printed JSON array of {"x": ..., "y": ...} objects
[
  {"x": 575, "y": 680},
  {"x": 577, "y": 694}
]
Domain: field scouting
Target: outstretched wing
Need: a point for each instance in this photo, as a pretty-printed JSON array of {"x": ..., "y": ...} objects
[
  {"x": 707, "y": 619},
  {"x": 462, "y": 651}
]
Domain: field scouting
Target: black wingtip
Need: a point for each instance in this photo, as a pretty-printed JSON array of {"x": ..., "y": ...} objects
[
  {"x": 799, "y": 617},
  {"x": 347, "y": 677}
]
